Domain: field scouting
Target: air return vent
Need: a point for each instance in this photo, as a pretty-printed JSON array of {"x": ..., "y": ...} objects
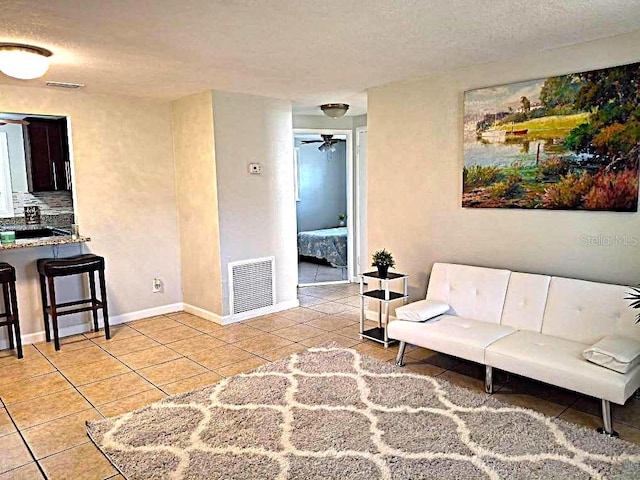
[
  {"x": 71, "y": 86},
  {"x": 251, "y": 284}
]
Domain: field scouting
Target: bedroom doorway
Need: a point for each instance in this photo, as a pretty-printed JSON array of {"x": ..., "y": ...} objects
[{"x": 323, "y": 163}]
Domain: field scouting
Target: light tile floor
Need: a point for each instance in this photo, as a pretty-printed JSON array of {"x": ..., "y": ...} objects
[
  {"x": 48, "y": 396},
  {"x": 309, "y": 272}
]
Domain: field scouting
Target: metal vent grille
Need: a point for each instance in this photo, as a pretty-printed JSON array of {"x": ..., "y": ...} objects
[
  {"x": 251, "y": 284},
  {"x": 72, "y": 86}
]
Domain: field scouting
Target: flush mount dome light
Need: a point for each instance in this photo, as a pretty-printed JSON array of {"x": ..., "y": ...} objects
[
  {"x": 334, "y": 110},
  {"x": 23, "y": 61}
]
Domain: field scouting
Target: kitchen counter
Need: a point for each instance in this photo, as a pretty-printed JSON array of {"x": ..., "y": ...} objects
[
  {"x": 58, "y": 221},
  {"x": 44, "y": 242},
  {"x": 38, "y": 226}
]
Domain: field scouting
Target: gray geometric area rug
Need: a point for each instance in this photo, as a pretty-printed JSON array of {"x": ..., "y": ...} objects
[{"x": 331, "y": 413}]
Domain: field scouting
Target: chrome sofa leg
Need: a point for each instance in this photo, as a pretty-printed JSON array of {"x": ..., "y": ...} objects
[
  {"x": 400, "y": 356},
  {"x": 607, "y": 424},
  {"x": 488, "y": 379}
]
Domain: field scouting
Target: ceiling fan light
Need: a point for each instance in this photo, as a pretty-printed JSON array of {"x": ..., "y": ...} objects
[
  {"x": 23, "y": 61},
  {"x": 334, "y": 110}
]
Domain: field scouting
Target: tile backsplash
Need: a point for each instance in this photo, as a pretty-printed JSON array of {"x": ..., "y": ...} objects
[{"x": 50, "y": 203}]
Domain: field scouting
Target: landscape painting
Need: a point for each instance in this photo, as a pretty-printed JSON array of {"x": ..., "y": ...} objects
[{"x": 570, "y": 142}]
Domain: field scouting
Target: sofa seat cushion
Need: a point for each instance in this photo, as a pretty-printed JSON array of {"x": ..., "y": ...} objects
[
  {"x": 559, "y": 362},
  {"x": 458, "y": 336}
]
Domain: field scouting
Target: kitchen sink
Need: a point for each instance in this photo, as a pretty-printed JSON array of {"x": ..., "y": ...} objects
[{"x": 41, "y": 232}]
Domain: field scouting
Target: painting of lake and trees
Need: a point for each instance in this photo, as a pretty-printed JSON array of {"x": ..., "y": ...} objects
[{"x": 570, "y": 142}]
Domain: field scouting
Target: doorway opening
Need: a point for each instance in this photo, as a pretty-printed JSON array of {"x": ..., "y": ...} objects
[
  {"x": 323, "y": 163},
  {"x": 36, "y": 169}
]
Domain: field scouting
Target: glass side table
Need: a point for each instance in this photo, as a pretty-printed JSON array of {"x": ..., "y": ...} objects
[{"x": 384, "y": 296}]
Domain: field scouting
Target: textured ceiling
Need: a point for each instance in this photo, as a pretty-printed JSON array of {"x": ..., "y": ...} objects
[{"x": 308, "y": 52}]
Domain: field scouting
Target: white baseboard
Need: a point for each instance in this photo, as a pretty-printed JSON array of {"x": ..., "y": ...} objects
[
  {"x": 146, "y": 313},
  {"x": 202, "y": 313},
  {"x": 229, "y": 319},
  {"x": 322, "y": 284},
  {"x": 67, "y": 331},
  {"x": 278, "y": 307}
]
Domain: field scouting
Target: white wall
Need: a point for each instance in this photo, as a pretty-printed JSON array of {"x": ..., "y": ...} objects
[
  {"x": 126, "y": 201},
  {"x": 322, "y": 121},
  {"x": 359, "y": 121},
  {"x": 415, "y": 181},
  {"x": 15, "y": 141},
  {"x": 256, "y": 212},
  {"x": 363, "y": 261},
  {"x": 322, "y": 186}
]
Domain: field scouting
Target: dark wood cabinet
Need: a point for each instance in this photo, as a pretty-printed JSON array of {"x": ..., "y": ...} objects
[{"x": 47, "y": 155}]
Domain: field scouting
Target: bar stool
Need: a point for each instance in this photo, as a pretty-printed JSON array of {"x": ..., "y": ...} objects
[
  {"x": 12, "y": 322},
  {"x": 49, "y": 268}
]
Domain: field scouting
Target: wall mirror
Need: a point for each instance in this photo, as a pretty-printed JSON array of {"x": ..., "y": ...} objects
[{"x": 35, "y": 169}]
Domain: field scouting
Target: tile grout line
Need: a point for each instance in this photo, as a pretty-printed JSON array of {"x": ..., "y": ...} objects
[
  {"x": 80, "y": 366},
  {"x": 212, "y": 335},
  {"x": 566, "y": 408},
  {"x": 85, "y": 398},
  {"x": 204, "y": 366},
  {"x": 208, "y": 369},
  {"x": 124, "y": 398},
  {"x": 227, "y": 343},
  {"x": 24, "y": 441},
  {"x": 73, "y": 387},
  {"x": 94, "y": 407},
  {"x": 572, "y": 404},
  {"x": 224, "y": 343}
]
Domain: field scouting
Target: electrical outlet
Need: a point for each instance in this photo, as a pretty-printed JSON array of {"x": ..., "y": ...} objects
[
  {"x": 255, "y": 168},
  {"x": 156, "y": 287}
]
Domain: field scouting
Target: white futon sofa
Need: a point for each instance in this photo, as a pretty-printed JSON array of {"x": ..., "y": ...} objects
[{"x": 536, "y": 326}]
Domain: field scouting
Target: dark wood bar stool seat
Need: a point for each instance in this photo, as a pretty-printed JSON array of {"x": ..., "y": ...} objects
[
  {"x": 49, "y": 268},
  {"x": 10, "y": 317}
]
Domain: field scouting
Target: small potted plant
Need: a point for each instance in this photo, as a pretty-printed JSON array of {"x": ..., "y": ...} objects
[
  {"x": 341, "y": 218},
  {"x": 383, "y": 260},
  {"x": 634, "y": 296}
]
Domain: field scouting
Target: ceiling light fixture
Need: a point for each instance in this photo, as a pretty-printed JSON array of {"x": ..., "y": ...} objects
[
  {"x": 327, "y": 147},
  {"x": 334, "y": 110},
  {"x": 23, "y": 61}
]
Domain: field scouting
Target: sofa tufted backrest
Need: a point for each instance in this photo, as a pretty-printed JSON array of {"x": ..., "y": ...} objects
[
  {"x": 587, "y": 311},
  {"x": 472, "y": 292},
  {"x": 525, "y": 302}
]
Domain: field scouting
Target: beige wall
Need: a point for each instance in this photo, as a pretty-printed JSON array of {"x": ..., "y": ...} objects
[
  {"x": 415, "y": 181},
  {"x": 197, "y": 201},
  {"x": 322, "y": 121},
  {"x": 125, "y": 187},
  {"x": 257, "y": 212}
]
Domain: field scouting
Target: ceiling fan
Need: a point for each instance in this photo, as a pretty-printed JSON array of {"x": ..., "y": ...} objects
[
  {"x": 328, "y": 143},
  {"x": 5, "y": 121}
]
